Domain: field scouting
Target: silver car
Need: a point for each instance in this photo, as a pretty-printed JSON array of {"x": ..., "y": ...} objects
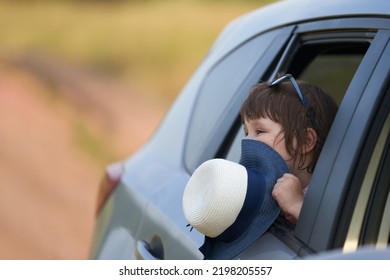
[{"x": 341, "y": 46}]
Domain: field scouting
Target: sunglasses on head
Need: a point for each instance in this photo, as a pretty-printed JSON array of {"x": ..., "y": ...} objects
[{"x": 300, "y": 94}]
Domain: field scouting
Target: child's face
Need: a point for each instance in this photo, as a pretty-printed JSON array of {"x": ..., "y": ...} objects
[{"x": 268, "y": 132}]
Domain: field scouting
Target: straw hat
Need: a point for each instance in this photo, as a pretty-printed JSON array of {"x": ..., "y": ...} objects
[{"x": 231, "y": 203}]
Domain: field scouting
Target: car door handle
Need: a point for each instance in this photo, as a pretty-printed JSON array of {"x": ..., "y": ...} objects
[{"x": 150, "y": 251}]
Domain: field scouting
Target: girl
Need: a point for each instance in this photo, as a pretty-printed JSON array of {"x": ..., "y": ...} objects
[{"x": 294, "y": 118}]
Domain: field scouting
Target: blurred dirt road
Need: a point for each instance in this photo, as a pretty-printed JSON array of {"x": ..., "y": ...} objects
[{"x": 49, "y": 117}]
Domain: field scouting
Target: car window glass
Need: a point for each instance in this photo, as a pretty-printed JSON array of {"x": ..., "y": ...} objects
[
  {"x": 332, "y": 72},
  {"x": 221, "y": 93},
  {"x": 330, "y": 66}
]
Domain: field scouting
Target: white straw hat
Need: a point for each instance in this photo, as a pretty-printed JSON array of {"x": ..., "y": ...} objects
[
  {"x": 209, "y": 203},
  {"x": 231, "y": 203}
]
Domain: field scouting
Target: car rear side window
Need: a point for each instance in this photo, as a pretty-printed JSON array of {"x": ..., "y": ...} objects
[{"x": 222, "y": 92}]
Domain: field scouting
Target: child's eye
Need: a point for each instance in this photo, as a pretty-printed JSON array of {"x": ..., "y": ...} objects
[{"x": 259, "y": 131}]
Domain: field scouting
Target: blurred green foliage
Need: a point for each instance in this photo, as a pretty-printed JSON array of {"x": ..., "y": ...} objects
[{"x": 154, "y": 46}]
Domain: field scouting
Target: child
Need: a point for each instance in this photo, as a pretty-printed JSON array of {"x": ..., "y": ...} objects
[
  {"x": 233, "y": 204},
  {"x": 294, "y": 118}
]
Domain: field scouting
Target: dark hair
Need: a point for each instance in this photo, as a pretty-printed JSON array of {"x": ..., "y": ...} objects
[{"x": 281, "y": 104}]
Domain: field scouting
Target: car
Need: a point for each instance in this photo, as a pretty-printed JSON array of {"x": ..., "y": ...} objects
[{"x": 341, "y": 46}]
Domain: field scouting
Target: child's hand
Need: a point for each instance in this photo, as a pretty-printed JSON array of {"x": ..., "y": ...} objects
[{"x": 288, "y": 192}]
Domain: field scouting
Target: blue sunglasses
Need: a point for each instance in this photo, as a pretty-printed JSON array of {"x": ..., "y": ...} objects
[{"x": 301, "y": 96}]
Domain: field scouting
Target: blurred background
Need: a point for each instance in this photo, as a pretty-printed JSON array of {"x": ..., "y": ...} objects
[{"x": 84, "y": 84}]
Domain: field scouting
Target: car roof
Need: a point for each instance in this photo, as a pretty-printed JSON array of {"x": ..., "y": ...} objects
[{"x": 288, "y": 12}]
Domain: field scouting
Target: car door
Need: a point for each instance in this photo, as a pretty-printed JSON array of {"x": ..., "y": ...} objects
[{"x": 349, "y": 59}]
